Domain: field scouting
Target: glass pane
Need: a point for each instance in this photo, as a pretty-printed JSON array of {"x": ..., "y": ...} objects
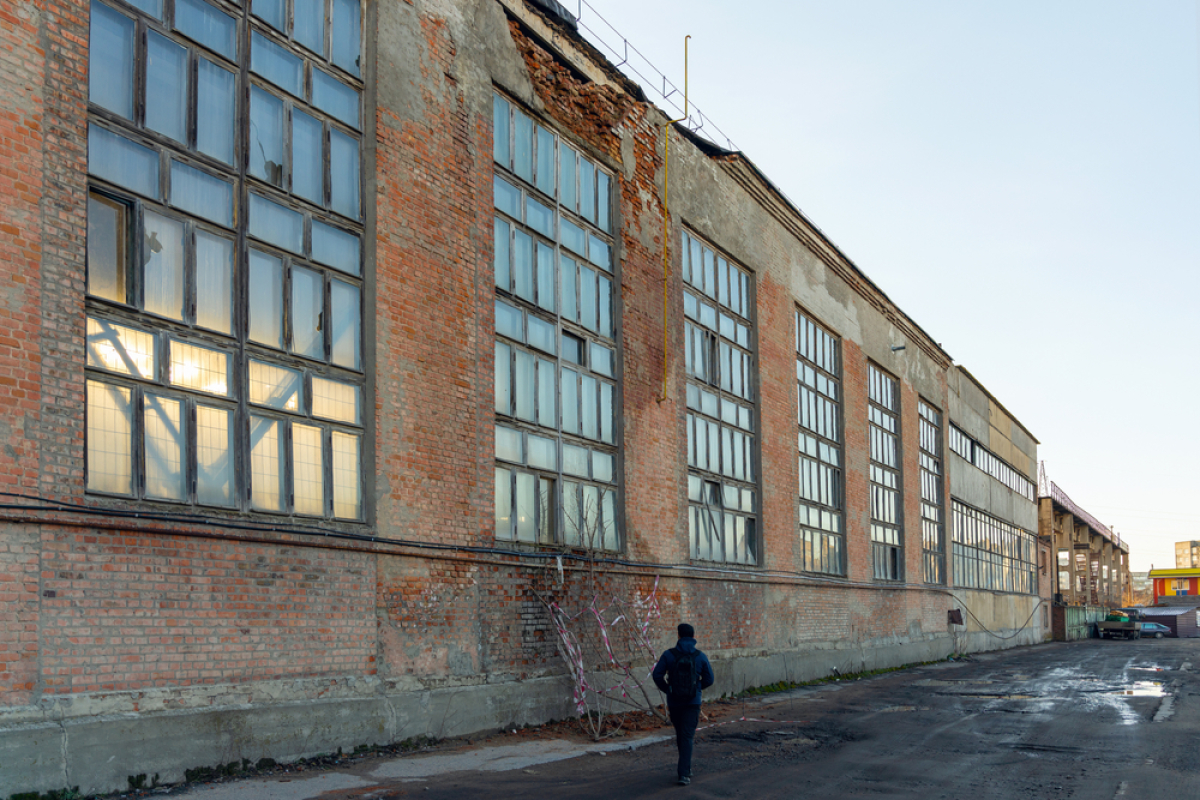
[
  {"x": 308, "y": 479},
  {"x": 214, "y": 457},
  {"x": 607, "y": 412},
  {"x": 543, "y": 453},
  {"x": 109, "y": 439},
  {"x": 547, "y": 396},
  {"x": 273, "y": 223},
  {"x": 508, "y": 445},
  {"x": 166, "y": 87},
  {"x": 587, "y": 297},
  {"x": 526, "y": 507},
  {"x": 509, "y": 321},
  {"x": 119, "y": 160},
  {"x": 151, "y": 7},
  {"x": 589, "y": 411},
  {"x": 266, "y": 464},
  {"x": 199, "y": 368},
  {"x": 570, "y": 401},
  {"x": 347, "y": 487},
  {"x": 335, "y": 98},
  {"x": 266, "y": 287},
  {"x": 606, "y": 323},
  {"x": 308, "y": 173},
  {"x": 210, "y": 27},
  {"x": 542, "y": 335},
  {"x": 545, "y": 161},
  {"x": 346, "y": 326},
  {"x": 572, "y": 525},
  {"x": 500, "y": 140},
  {"x": 524, "y": 385},
  {"x": 347, "y": 33},
  {"x": 162, "y": 253},
  {"x": 215, "y": 110},
  {"x": 277, "y": 65},
  {"x": 567, "y": 191},
  {"x": 343, "y": 174},
  {"x": 108, "y": 228},
  {"x": 602, "y": 201},
  {"x": 570, "y": 308},
  {"x": 587, "y": 189},
  {"x": 308, "y": 302},
  {"x": 523, "y": 145},
  {"x": 572, "y": 236},
  {"x": 277, "y": 387},
  {"x": 119, "y": 349},
  {"x": 599, "y": 252},
  {"x": 214, "y": 282},
  {"x": 575, "y": 460},
  {"x": 503, "y": 504},
  {"x": 201, "y": 194},
  {"x": 335, "y": 400},
  {"x": 523, "y": 265},
  {"x": 539, "y": 217},
  {"x": 506, "y": 197},
  {"x": 547, "y": 277},
  {"x": 266, "y": 136},
  {"x": 335, "y": 247},
  {"x": 502, "y": 253},
  {"x": 270, "y": 11},
  {"x": 163, "y": 451},
  {"x": 110, "y": 60},
  {"x": 308, "y": 24},
  {"x": 503, "y": 378}
]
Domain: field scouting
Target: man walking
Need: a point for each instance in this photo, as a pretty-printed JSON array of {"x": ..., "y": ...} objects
[{"x": 681, "y": 673}]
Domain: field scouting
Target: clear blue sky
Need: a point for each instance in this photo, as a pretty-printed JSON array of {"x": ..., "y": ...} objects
[{"x": 1021, "y": 177}]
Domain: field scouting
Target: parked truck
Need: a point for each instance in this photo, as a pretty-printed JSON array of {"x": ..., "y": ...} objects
[{"x": 1121, "y": 624}]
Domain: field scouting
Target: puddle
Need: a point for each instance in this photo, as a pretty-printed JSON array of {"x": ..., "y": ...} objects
[
  {"x": 1142, "y": 689},
  {"x": 1149, "y": 669}
]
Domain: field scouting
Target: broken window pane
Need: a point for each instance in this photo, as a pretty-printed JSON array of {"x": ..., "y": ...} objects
[
  {"x": 266, "y": 136},
  {"x": 164, "y": 448},
  {"x": 307, "y": 318},
  {"x": 162, "y": 256}
]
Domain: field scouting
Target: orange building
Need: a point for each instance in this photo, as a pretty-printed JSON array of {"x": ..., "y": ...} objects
[{"x": 1176, "y": 583}]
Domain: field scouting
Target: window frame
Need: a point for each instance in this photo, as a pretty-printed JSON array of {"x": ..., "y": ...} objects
[
  {"x": 827, "y": 534},
  {"x": 239, "y": 350},
  {"x": 930, "y": 422},
  {"x": 886, "y": 536}
]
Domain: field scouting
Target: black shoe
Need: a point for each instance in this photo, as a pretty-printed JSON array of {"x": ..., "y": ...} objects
[{"x": 684, "y": 780}]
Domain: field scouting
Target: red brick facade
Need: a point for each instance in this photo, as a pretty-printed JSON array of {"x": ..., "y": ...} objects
[{"x": 104, "y": 603}]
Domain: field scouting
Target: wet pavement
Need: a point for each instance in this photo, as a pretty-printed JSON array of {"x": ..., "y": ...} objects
[{"x": 1093, "y": 719}]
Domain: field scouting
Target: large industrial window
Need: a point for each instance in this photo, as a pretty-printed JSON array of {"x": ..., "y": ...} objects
[
  {"x": 982, "y": 458},
  {"x": 887, "y": 538},
  {"x": 990, "y": 553},
  {"x": 224, "y": 328},
  {"x": 556, "y": 352},
  {"x": 933, "y": 529},
  {"x": 717, "y": 304},
  {"x": 818, "y": 378}
]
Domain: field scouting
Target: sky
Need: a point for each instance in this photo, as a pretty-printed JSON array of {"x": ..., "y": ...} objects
[{"x": 1021, "y": 177}]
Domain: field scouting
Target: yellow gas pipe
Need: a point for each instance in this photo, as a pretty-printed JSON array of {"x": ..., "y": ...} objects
[{"x": 667, "y": 217}]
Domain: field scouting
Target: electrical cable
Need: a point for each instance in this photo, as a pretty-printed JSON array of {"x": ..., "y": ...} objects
[{"x": 793, "y": 578}]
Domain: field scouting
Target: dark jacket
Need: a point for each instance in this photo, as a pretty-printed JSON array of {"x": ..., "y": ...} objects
[{"x": 667, "y": 660}]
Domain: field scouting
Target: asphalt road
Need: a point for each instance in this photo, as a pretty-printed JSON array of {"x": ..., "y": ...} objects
[{"x": 1093, "y": 719}]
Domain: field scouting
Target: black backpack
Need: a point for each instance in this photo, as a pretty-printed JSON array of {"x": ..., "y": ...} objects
[{"x": 683, "y": 678}]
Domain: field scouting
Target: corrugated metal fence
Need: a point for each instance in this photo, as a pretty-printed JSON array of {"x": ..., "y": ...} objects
[{"x": 1072, "y": 623}]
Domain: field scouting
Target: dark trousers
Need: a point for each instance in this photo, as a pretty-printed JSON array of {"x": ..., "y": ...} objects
[{"x": 685, "y": 719}]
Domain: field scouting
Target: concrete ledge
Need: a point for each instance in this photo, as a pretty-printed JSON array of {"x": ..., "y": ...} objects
[{"x": 98, "y": 753}]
